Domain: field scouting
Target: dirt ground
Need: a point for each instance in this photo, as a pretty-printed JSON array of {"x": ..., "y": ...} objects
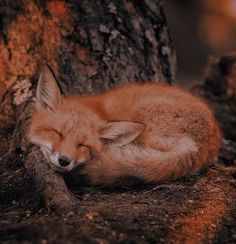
[{"x": 199, "y": 209}]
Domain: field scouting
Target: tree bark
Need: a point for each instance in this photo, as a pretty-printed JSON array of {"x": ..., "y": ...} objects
[{"x": 91, "y": 45}]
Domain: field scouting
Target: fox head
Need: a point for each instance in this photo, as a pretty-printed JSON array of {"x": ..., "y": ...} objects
[{"x": 70, "y": 130}]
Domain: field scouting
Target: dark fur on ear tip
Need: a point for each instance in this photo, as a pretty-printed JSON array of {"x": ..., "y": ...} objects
[{"x": 46, "y": 68}]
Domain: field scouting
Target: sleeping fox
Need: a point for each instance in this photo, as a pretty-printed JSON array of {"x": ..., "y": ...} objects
[{"x": 152, "y": 132}]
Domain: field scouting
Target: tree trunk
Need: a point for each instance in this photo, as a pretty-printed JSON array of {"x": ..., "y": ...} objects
[{"x": 91, "y": 45}]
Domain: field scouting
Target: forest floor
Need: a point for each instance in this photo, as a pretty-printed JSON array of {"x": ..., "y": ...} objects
[{"x": 197, "y": 209}]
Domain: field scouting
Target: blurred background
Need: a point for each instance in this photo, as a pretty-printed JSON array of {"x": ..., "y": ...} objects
[{"x": 200, "y": 28}]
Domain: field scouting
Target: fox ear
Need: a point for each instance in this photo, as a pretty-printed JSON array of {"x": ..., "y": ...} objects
[
  {"x": 120, "y": 133},
  {"x": 48, "y": 94}
]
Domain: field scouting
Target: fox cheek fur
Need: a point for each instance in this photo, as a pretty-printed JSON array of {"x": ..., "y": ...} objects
[{"x": 153, "y": 132}]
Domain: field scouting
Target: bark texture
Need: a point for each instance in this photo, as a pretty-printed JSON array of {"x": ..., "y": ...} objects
[{"x": 91, "y": 46}]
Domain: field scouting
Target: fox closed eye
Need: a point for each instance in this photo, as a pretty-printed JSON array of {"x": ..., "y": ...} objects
[
  {"x": 52, "y": 131},
  {"x": 58, "y": 133},
  {"x": 80, "y": 145}
]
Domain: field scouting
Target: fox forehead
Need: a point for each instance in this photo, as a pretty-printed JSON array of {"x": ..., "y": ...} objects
[{"x": 68, "y": 118}]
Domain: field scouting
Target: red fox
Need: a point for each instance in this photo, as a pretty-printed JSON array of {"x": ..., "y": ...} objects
[{"x": 154, "y": 132}]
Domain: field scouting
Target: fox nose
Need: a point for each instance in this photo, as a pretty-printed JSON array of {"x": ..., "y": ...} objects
[{"x": 64, "y": 161}]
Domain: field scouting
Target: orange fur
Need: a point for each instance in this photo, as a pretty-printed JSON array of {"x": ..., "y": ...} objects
[{"x": 153, "y": 132}]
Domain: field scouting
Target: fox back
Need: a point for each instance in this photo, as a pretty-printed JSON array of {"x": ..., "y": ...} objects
[{"x": 152, "y": 132}]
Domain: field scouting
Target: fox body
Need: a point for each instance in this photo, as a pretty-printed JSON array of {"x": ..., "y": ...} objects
[{"x": 152, "y": 132}]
